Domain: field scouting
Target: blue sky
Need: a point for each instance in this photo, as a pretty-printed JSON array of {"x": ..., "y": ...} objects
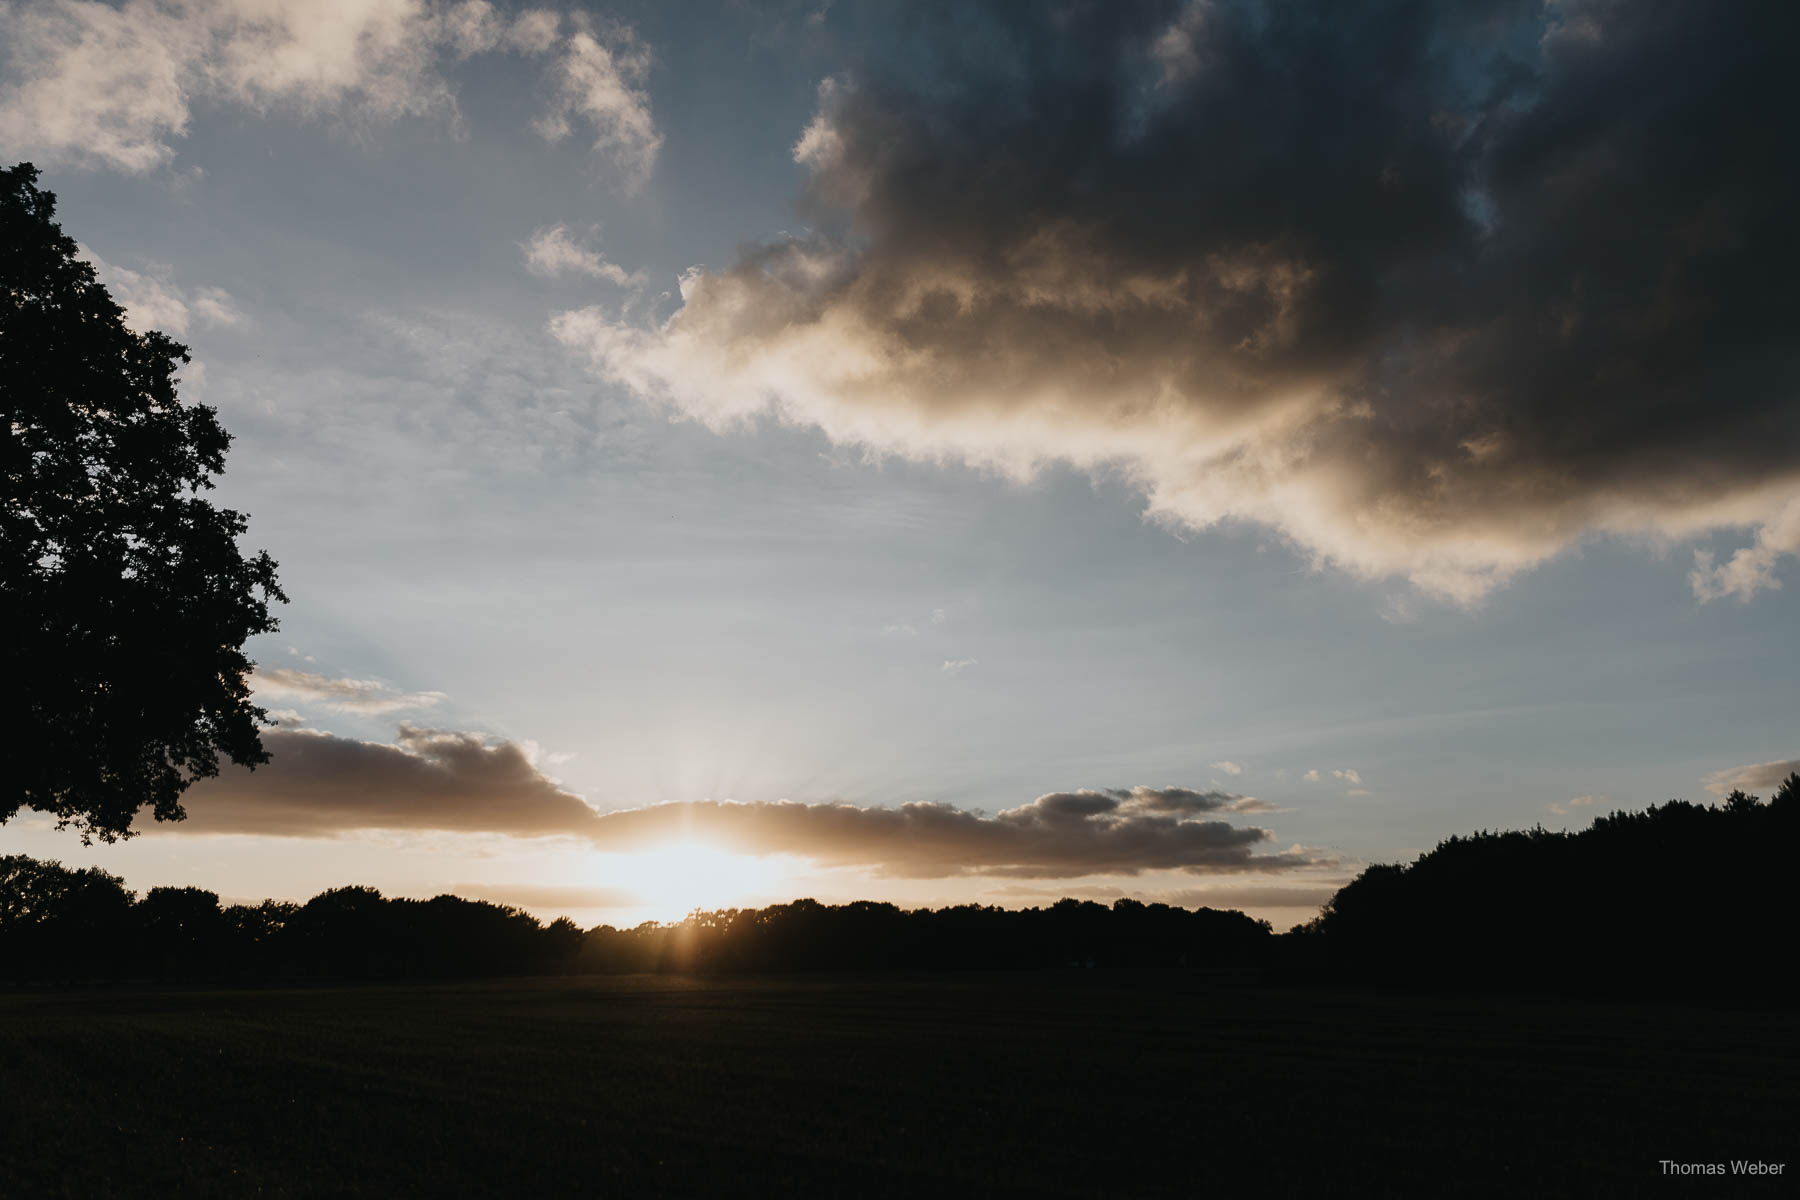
[{"x": 599, "y": 552}]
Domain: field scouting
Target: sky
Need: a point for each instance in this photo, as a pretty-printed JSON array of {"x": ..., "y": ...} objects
[{"x": 956, "y": 453}]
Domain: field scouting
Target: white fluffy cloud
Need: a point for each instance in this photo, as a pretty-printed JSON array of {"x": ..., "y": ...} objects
[{"x": 90, "y": 82}]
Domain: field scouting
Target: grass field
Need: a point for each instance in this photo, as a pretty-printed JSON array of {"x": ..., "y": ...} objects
[{"x": 1080, "y": 1084}]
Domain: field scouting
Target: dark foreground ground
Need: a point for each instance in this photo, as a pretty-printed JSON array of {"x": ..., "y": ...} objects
[{"x": 1085, "y": 1084}]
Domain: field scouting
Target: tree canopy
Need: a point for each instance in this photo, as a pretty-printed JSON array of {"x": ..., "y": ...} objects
[{"x": 126, "y": 598}]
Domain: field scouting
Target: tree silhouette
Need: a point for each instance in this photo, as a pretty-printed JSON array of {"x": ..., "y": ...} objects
[
  {"x": 181, "y": 931},
  {"x": 1679, "y": 900},
  {"x": 60, "y": 922},
  {"x": 125, "y": 597}
]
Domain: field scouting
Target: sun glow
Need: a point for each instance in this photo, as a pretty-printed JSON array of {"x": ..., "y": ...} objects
[{"x": 673, "y": 879}]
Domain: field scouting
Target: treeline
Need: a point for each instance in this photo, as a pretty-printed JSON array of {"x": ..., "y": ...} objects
[
  {"x": 59, "y": 924},
  {"x": 63, "y": 924},
  {"x": 864, "y": 936},
  {"x": 1681, "y": 900}
]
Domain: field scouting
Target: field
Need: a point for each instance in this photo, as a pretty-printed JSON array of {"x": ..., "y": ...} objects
[{"x": 1078, "y": 1084}]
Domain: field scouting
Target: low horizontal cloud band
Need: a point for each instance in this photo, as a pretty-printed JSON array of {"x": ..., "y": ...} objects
[{"x": 319, "y": 785}]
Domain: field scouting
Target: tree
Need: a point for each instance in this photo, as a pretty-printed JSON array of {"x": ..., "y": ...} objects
[
  {"x": 125, "y": 597},
  {"x": 60, "y": 921}
]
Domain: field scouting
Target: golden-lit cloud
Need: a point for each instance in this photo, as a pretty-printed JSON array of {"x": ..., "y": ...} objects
[{"x": 1430, "y": 315}]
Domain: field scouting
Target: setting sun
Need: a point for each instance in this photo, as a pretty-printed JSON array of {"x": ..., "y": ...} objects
[{"x": 673, "y": 879}]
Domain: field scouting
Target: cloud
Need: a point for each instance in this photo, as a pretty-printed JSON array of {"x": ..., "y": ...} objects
[
  {"x": 1751, "y": 568},
  {"x": 1399, "y": 608},
  {"x": 216, "y": 306},
  {"x": 366, "y": 696},
  {"x": 1754, "y": 777},
  {"x": 318, "y": 784},
  {"x": 1058, "y": 835},
  {"x": 599, "y": 81},
  {"x": 551, "y": 251},
  {"x": 956, "y": 666},
  {"x": 1311, "y": 776},
  {"x": 93, "y": 83},
  {"x": 1230, "y": 768},
  {"x": 535, "y": 31},
  {"x": 1585, "y": 800},
  {"x": 1434, "y": 292},
  {"x": 1348, "y": 775},
  {"x": 152, "y": 301}
]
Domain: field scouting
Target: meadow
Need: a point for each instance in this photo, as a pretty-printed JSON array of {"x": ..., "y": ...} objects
[{"x": 1069, "y": 1083}]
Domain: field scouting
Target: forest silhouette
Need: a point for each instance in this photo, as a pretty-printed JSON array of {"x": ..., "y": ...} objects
[{"x": 1680, "y": 900}]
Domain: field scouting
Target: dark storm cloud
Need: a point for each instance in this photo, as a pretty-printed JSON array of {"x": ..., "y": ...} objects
[
  {"x": 1430, "y": 288},
  {"x": 318, "y": 785}
]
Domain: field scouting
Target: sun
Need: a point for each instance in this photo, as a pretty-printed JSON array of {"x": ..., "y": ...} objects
[{"x": 674, "y": 878}]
